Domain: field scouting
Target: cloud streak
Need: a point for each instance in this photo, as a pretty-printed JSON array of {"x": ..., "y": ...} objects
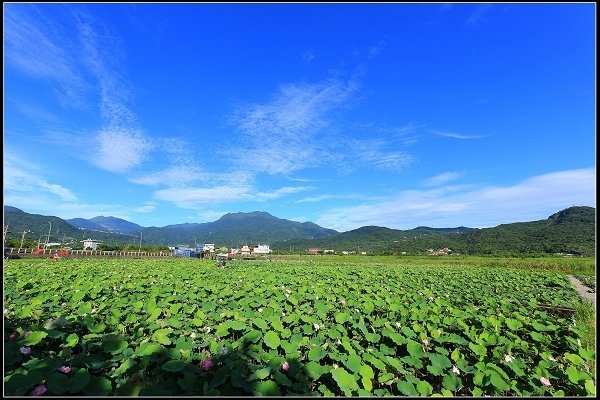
[
  {"x": 31, "y": 46},
  {"x": 458, "y": 135},
  {"x": 442, "y": 178},
  {"x": 536, "y": 197},
  {"x": 280, "y": 133},
  {"x": 78, "y": 54},
  {"x": 194, "y": 198}
]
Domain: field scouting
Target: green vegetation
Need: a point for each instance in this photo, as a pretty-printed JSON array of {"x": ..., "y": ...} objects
[
  {"x": 571, "y": 231},
  {"x": 378, "y": 326}
]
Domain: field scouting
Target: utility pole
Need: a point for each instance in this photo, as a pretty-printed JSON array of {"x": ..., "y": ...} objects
[
  {"x": 48, "y": 238},
  {"x": 4, "y": 235},
  {"x": 140, "y": 248},
  {"x": 22, "y": 239}
]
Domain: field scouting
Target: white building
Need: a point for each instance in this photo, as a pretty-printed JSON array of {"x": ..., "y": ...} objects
[
  {"x": 209, "y": 247},
  {"x": 90, "y": 244},
  {"x": 262, "y": 249}
]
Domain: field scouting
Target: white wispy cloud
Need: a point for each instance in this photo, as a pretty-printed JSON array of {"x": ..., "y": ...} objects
[
  {"x": 478, "y": 14},
  {"x": 33, "y": 45},
  {"x": 274, "y": 194},
  {"x": 194, "y": 197},
  {"x": 120, "y": 149},
  {"x": 146, "y": 208},
  {"x": 350, "y": 196},
  {"x": 468, "y": 205},
  {"x": 308, "y": 56},
  {"x": 121, "y": 143},
  {"x": 280, "y": 134},
  {"x": 22, "y": 178},
  {"x": 442, "y": 178},
  {"x": 375, "y": 153},
  {"x": 80, "y": 56},
  {"x": 458, "y": 135},
  {"x": 313, "y": 199},
  {"x": 25, "y": 187},
  {"x": 186, "y": 197}
]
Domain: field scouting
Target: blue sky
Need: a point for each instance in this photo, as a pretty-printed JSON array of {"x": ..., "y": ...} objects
[{"x": 346, "y": 115}]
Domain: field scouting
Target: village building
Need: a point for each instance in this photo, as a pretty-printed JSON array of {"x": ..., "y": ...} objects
[
  {"x": 262, "y": 249},
  {"x": 245, "y": 251},
  {"x": 90, "y": 244},
  {"x": 314, "y": 250},
  {"x": 210, "y": 247}
]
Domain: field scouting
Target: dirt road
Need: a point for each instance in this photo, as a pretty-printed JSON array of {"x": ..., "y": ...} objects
[{"x": 584, "y": 292}]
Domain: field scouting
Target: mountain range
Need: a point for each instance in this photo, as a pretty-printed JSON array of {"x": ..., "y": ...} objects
[{"x": 568, "y": 231}]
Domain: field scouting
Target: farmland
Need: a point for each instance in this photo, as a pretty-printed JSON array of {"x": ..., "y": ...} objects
[{"x": 300, "y": 326}]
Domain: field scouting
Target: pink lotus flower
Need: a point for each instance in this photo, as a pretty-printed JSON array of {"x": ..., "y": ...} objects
[
  {"x": 206, "y": 364},
  {"x": 39, "y": 390},
  {"x": 25, "y": 351},
  {"x": 545, "y": 381},
  {"x": 65, "y": 369},
  {"x": 285, "y": 366}
]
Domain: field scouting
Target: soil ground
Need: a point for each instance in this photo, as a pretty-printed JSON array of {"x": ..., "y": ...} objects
[{"x": 585, "y": 292}]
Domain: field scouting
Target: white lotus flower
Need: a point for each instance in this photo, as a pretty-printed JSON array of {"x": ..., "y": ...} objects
[{"x": 545, "y": 381}]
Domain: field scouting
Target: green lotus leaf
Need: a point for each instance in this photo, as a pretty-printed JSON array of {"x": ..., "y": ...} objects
[
  {"x": 57, "y": 383},
  {"x": 162, "y": 336},
  {"x": 346, "y": 382},
  {"x": 414, "y": 348},
  {"x": 78, "y": 381},
  {"x": 98, "y": 386},
  {"x": 367, "y": 375},
  {"x": 261, "y": 323},
  {"x": 113, "y": 343},
  {"x": 260, "y": 374},
  {"x": 424, "y": 388},
  {"x": 271, "y": 339},
  {"x": 341, "y": 317},
  {"x": 266, "y": 388},
  {"x": 147, "y": 349},
  {"x": 34, "y": 338},
  {"x": 406, "y": 388},
  {"x": 173, "y": 366},
  {"x": 574, "y": 359},
  {"x": 452, "y": 382},
  {"x": 590, "y": 387},
  {"x": 478, "y": 349},
  {"x": 316, "y": 353},
  {"x": 353, "y": 362},
  {"x": 126, "y": 365}
]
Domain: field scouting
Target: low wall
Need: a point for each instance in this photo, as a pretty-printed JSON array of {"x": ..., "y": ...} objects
[{"x": 28, "y": 253}]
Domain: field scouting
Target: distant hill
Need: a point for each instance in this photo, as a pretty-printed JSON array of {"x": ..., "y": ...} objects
[
  {"x": 236, "y": 229},
  {"x": 83, "y": 223},
  {"x": 572, "y": 230},
  {"x": 110, "y": 224},
  {"x": 39, "y": 226}
]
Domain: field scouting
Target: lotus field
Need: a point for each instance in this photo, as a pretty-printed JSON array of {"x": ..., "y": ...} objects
[{"x": 300, "y": 327}]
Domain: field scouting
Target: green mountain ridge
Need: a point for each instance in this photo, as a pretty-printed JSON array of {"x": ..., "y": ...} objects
[{"x": 571, "y": 230}]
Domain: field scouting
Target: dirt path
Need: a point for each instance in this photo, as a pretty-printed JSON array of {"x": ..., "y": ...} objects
[{"x": 584, "y": 291}]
